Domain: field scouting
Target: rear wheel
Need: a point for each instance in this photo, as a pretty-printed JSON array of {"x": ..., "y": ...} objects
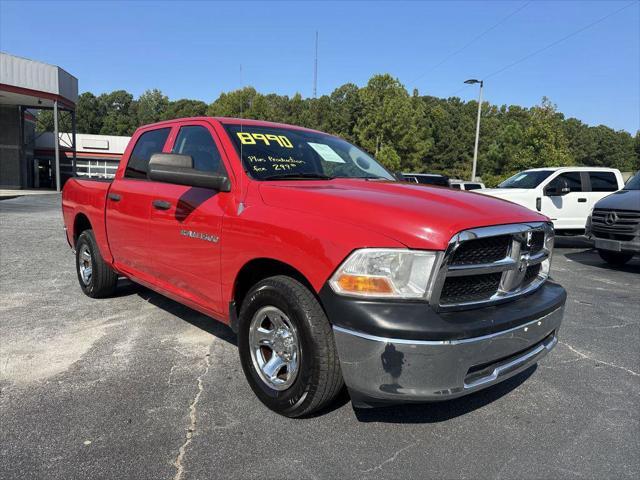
[
  {"x": 287, "y": 349},
  {"x": 96, "y": 278},
  {"x": 615, "y": 258}
]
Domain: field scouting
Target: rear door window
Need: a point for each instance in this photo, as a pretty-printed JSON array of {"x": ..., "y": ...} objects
[
  {"x": 603, "y": 182},
  {"x": 148, "y": 143}
]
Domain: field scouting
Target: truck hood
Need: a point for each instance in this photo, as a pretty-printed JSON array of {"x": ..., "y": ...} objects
[
  {"x": 621, "y": 200},
  {"x": 419, "y": 216}
]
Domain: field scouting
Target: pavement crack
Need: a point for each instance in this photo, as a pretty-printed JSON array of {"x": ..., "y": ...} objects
[
  {"x": 588, "y": 357},
  {"x": 179, "y": 461},
  {"x": 171, "y": 374},
  {"x": 392, "y": 458}
]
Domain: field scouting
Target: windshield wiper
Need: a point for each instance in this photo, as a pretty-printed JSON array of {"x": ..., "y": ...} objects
[
  {"x": 289, "y": 176},
  {"x": 367, "y": 177}
]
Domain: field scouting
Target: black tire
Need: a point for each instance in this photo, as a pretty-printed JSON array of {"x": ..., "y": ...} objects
[
  {"x": 102, "y": 282},
  {"x": 615, "y": 258},
  {"x": 319, "y": 378}
]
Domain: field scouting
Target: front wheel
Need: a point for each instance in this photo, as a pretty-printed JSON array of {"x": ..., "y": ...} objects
[
  {"x": 615, "y": 258},
  {"x": 287, "y": 349}
]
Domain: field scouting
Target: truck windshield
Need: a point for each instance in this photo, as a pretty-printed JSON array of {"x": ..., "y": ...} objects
[
  {"x": 280, "y": 153},
  {"x": 633, "y": 183},
  {"x": 529, "y": 179}
]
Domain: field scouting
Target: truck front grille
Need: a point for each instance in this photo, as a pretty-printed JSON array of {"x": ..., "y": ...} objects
[
  {"x": 482, "y": 250},
  {"x": 492, "y": 264},
  {"x": 615, "y": 224},
  {"x": 469, "y": 289}
]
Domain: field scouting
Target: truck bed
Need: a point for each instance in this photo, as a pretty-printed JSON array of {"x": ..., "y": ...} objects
[{"x": 87, "y": 197}]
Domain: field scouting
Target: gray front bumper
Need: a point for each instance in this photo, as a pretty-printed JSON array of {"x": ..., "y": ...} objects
[{"x": 382, "y": 370}]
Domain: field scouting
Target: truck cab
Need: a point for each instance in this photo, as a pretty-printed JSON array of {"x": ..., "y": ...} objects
[{"x": 566, "y": 195}]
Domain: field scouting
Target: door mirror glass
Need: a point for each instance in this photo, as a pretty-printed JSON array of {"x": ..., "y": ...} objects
[{"x": 178, "y": 169}]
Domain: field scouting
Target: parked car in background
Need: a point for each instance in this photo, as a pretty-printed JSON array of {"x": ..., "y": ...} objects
[
  {"x": 462, "y": 185},
  {"x": 614, "y": 224},
  {"x": 426, "y": 178},
  {"x": 566, "y": 194},
  {"x": 269, "y": 228}
]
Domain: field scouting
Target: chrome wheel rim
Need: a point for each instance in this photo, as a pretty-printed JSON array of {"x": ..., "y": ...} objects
[
  {"x": 275, "y": 349},
  {"x": 85, "y": 264}
]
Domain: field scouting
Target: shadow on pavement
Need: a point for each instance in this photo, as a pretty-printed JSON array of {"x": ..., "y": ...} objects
[
  {"x": 592, "y": 259},
  {"x": 572, "y": 241},
  {"x": 210, "y": 325},
  {"x": 442, "y": 411}
]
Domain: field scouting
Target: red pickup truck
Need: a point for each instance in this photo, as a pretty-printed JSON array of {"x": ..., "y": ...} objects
[{"x": 329, "y": 271}]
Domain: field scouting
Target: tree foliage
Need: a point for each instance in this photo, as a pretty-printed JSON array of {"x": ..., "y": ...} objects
[{"x": 406, "y": 132}]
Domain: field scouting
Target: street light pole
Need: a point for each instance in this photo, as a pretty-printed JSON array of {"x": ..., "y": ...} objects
[
  {"x": 475, "y": 148},
  {"x": 56, "y": 143}
]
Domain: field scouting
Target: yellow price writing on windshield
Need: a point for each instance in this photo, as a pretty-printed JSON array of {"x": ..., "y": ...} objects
[{"x": 252, "y": 138}]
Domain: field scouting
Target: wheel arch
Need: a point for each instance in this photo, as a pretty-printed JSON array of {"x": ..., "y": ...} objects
[
  {"x": 80, "y": 223},
  {"x": 254, "y": 271}
]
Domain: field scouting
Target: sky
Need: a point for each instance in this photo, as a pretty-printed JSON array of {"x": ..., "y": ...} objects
[{"x": 195, "y": 49}]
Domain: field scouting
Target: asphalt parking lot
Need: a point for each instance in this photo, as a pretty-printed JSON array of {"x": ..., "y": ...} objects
[{"x": 141, "y": 387}]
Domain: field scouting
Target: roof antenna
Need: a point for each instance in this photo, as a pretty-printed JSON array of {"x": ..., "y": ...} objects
[
  {"x": 241, "y": 203},
  {"x": 241, "y": 89},
  {"x": 315, "y": 70}
]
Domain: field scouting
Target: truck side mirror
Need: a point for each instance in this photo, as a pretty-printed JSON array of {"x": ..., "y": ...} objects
[
  {"x": 178, "y": 169},
  {"x": 557, "y": 188}
]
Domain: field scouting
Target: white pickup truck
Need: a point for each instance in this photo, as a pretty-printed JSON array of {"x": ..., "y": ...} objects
[{"x": 565, "y": 194}]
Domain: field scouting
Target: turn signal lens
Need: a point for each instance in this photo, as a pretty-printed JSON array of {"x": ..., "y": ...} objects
[
  {"x": 361, "y": 284},
  {"x": 386, "y": 272}
]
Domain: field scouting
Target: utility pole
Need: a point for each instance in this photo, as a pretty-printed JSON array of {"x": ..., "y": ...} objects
[
  {"x": 315, "y": 70},
  {"x": 475, "y": 148},
  {"x": 56, "y": 143}
]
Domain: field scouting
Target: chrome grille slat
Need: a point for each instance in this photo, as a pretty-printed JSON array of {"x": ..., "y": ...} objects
[
  {"x": 517, "y": 272},
  {"x": 506, "y": 263}
]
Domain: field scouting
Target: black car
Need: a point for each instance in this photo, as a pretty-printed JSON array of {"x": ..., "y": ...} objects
[
  {"x": 614, "y": 224},
  {"x": 426, "y": 178}
]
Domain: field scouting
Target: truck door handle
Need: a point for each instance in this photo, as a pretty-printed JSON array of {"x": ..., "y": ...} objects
[
  {"x": 114, "y": 197},
  {"x": 161, "y": 205},
  {"x": 582, "y": 200}
]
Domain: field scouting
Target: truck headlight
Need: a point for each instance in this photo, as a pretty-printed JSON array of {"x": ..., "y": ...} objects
[
  {"x": 549, "y": 240},
  {"x": 386, "y": 273}
]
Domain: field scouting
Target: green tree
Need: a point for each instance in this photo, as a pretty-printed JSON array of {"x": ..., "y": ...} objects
[
  {"x": 243, "y": 103},
  {"x": 344, "y": 109},
  {"x": 543, "y": 141},
  {"x": 185, "y": 108},
  {"x": 406, "y": 132},
  {"x": 89, "y": 113},
  {"x": 386, "y": 114},
  {"x": 120, "y": 113},
  {"x": 152, "y": 106},
  {"x": 389, "y": 157},
  {"x": 44, "y": 121}
]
